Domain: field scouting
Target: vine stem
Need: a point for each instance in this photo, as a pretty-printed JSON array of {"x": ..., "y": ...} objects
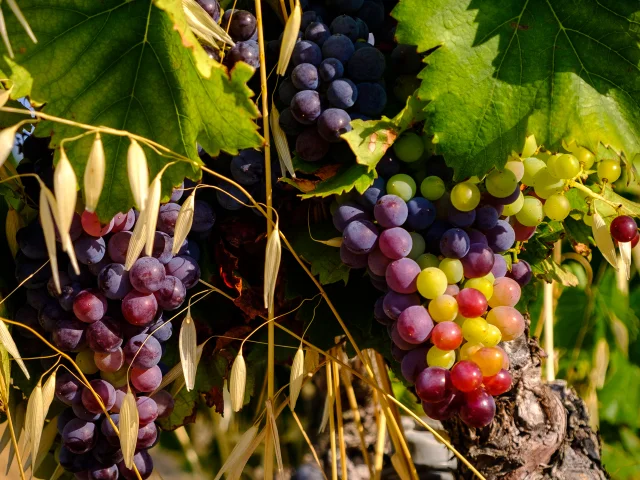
[
  {"x": 268, "y": 450},
  {"x": 593, "y": 194}
]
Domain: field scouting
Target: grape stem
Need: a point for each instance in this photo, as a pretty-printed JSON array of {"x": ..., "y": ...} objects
[{"x": 595, "y": 195}]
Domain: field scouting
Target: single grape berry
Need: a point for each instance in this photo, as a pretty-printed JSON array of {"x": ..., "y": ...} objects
[{"x": 623, "y": 228}]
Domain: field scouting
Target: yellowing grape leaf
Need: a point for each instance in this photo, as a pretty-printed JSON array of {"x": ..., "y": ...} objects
[
  {"x": 130, "y": 65},
  {"x": 506, "y": 69}
]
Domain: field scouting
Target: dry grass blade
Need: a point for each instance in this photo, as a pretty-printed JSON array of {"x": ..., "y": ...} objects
[
  {"x": 23, "y": 21},
  {"x": 35, "y": 420},
  {"x": 271, "y": 265},
  {"x": 7, "y": 342},
  {"x": 311, "y": 447},
  {"x": 47, "y": 439},
  {"x": 183, "y": 222},
  {"x": 273, "y": 431},
  {"x": 235, "y": 473},
  {"x": 203, "y": 26},
  {"x": 128, "y": 427},
  {"x": 46, "y": 220},
  {"x": 289, "y": 39},
  {"x": 151, "y": 212},
  {"x": 400, "y": 467},
  {"x": 7, "y": 140},
  {"x": 4, "y": 96},
  {"x": 48, "y": 391},
  {"x": 15, "y": 450},
  {"x": 65, "y": 187},
  {"x": 238, "y": 382},
  {"x": 240, "y": 448},
  {"x": 13, "y": 223},
  {"x": 94, "y": 175},
  {"x": 297, "y": 375},
  {"x": 282, "y": 145},
  {"x": 625, "y": 256},
  {"x": 602, "y": 236},
  {"x": 311, "y": 361},
  {"x": 136, "y": 244},
  {"x": 188, "y": 350},
  {"x": 57, "y": 473},
  {"x": 138, "y": 174}
]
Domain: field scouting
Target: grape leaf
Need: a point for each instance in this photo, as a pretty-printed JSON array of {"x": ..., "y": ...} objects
[
  {"x": 130, "y": 65},
  {"x": 370, "y": 139},
  {"x": 184, "y": 411},
  {"x": 503, "y": 70},
  {"x": 347, "y": 178}
]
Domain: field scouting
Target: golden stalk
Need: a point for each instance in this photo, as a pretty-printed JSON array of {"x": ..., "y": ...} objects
[
  {"x": 332, "y": 426},
  {"x": 306, "y": 437},
  {"x": 382, "y": 435},
  {"x": 343, "y": 447}
]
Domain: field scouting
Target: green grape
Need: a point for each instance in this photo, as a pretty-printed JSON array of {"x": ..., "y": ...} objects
[
  {"x": 85, "y": 362},
  {"x": 586, "y": 158},
  {"x": 501, "y": 184},
  {"x": 409, "y": 147},
  {"x": 490, "y": 276},
  {"x": 432, "y": 282},
  {"x": 469, "y": 348},
  {"x": 475, "y": 179},
  {"x": 402, "y": 185},
  {"x": 418, "y": 245},
  {"x": 117, "y": 379},
  {"x": 513, "y": 208},
  {"x": 567, "y": 166},
  {"x": 552, "y": 163},
  {"x": 609, "y": 170},
  {"x": 465, "y": 196},
  {"x": 532, "y": 165},
  {"x": 452, "y": 268},
  {"x": 545, "y": 184},
  {"x": 588, "y": 219},
  {"x": 427, "y": 260},
  {"x": 493, "y": 336},
  {"x": 531, "y": 214},
  {"x": 557, "y": 207},
  {"x": 482, "y": 284},
  {"x": 517, "y": 167},
  {"x": 441, "y": 358},
  {"x": 443, "y": 308},
  {"x": 475, "y": 329},
  {"x": 432, "y": 188}
]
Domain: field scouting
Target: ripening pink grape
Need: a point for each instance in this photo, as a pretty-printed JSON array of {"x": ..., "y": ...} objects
[
  {"x": 466, "y": 376},
  {"x": 92, "y": 226},
  {"x": 471, "y": 303},
  {"x": 447, "y": 335},
  {"x": 506, "y": 293},
  {"x": 508, "y": 320}
]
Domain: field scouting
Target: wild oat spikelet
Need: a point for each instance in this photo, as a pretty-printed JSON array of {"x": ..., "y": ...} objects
[
  {"x": 602, "y": 236},
  {"x": 65, "y": 188},
  {"x": 94, "y": 175},
  {"x": 183, "y": 222},
  {"x": 282, "y": 145},
  {"x": 151, "y": 212},
  {"x": 7, "y": 140},
  {"x": 128, "y": 427},
  {"x": 311, "y": 361},
  {"x": 13, "y": 223},
  {"x": 289, "y": 39},
  {"x": 272, "y": 257},
  {"x": 238, "y": 382},
  {"x": 138, "y": 172},
  {"x": 295, "y": 380},
  {"x": 34, "y": 419},
  {"x": 10, "y": 346},
  {"x": 187, "y": 344},
  {"x": 625, "y": 258},
  {"x": 48, "y": 228}
]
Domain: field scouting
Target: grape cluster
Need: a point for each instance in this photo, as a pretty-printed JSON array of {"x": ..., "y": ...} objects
[
  {"x": 114, "y": 322},
  {"x": 336, "y": 75},
  {"x": 439, "y": 254}
]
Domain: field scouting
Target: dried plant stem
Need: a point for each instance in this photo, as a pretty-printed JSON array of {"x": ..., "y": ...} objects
[
  {"x": 380, "y": 439},
  {"x": 343, "y": 447},
  {"x": 189, "y": 452},
  {"x": 332, "y": 425},
  {"x": 306, "y": 437},
  {"x": 353, "y": 405},
  {"x": 14, "y": 441}
]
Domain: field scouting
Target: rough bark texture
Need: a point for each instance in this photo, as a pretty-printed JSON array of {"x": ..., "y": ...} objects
[{"x": 541, "y": 431}]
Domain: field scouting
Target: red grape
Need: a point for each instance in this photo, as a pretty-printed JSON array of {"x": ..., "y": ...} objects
[
  {"x": 447, "y": 336},
  {"x": 91, "y": 224},
  {"x": 139, "y": 308},
  {"x": 471, "y": 303},
  {"x": 498, "y": 384},
  {"x": 478, "y": 409},
  {"x": 445, "y": 409},
  {"x": 433, "y": 384},
  {"x": 623, "y": 228},
  {"x": 466, "y": 376}
]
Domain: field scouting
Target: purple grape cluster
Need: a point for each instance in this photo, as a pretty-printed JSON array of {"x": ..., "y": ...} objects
[
  {"x": 114, "y": 321},
  {"x": 335, "y": 76},
  {"x": 449, "y": 296}
]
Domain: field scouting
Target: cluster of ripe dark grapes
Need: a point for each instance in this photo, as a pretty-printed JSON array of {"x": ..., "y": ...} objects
[
  {"x": 438, "y": 250},
  {"x": 113, "y": 321}
]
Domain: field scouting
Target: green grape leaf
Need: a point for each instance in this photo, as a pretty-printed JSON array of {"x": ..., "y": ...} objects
[
  {"x": 370, "y": 139},
  {"x": 345, "y": 180},
  {"x": 184, "y": 410},
  {"x": 135, "y": 66},
  {"x": 503, "y": 70},
  {"x": 549, "y": 270},
  {"x": 325, "y": 260}
]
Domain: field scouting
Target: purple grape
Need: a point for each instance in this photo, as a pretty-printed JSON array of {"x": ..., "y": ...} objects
[
  {"x": 139, "y": 308},
  {"x": 212, "y": 7},
  {"x": 147, "y": 410},
  {"x": 360, "y": 236},
  {"x": 306, "y": 52},
  {"x": 65, "y": 417},
  {"x": 461, "y": 219},
  {"x": 372, "y": 194},
  {"x": 333, "y": 123},
  {"x": 521, "y": 272},
  {"x": 346, "y": 213},
  {"x": 103, "y": 472},
  {"x": 506, "y": 200},
  {"x": 501, "y": 237},
  {"x": 476, "y": 236},
  {"x": 246, "y": 51},
  {"x": 146, "y": 380},
  {"x": 478, "y": 261},
  {"x": 147, "y": 275},
  {"x": 89, "y": 250},
  {"x": 79, "y": 436},
  {"x": 161, "y": 330},
  {"x": 454, "y": 243},
  {"x": 388, "y": 166},
  {"x": 330, "y": 69},
  {"x": 105, "y": 453},
  {"x": 81, "y": 412},
  {"x": 338, "y": 46},
  {"x": 288, "y": 123},
  {"x": 69, "y": 334},
  {"x": 73, "y": 462},
  {"x": 247, "y": 168},
  {"x": 167, "y": 216},
  {"x": 95, "y": 268},
  {"x": 241, "y": 25},
  {"x": 286, "y": 91},
  {"x": 445, "y": 409},
  {"x": 123, "y": 221},
  {"x": 414, "y": 324},
  {"x": 305, "y": 76},
  {"x": 105, "y": 335},
  {"x": 147, "y": 436},
  {"x": 379, "y": 314},
  {"x": 32, "y": 273},
  {"x": 184, "y": 268},
  {"x": 114, "y": 281},
  {"x": 372, "y": 98},
  {"x": 171, "y": 294},
  {"x": 89, "y": 305},
  {"x": 176, "y": 193},
  {"x": 372, "y": 13},
  {"x": 478, "y": 409},
  {"x": 395, "y": 303},
  {"x": 391, "y": 211},
  {"x": 37, "y": 297},
  {"x": 317, "y": 32},
  {"x": 499, "y": 268},
  {"x": 50, "y": 315},
  {"x": 164, "y": 402},
  {"x": 162, "y": 246},
  {"x": 342, "y": 93},
  {"x": 398, "y": 340},
  {"x": 120, "y": 394},
  {"x": 310, "y": 146},
  {"x": 118, "y": 246},
  {"x": 191, "y": 249},
  {"x": 366, "y": 65},
  {"x": 308, "y": 18},
  {"x": 64, "y": 280},
  {"x": 434, "y": 384},
  {"x": 352, "y": 260},
  {"x": 143, "y": 463},
  {"x": 68, "y": 295},
  {"x": 397, "y": 353},
  {"x": 414, "y": 362},
  {"x": 345, "y": 25},
  {"x": 108, "y": 431},
  {"x": 105, "y": 391},
  {"x": 305, "y": 106},
  {"x": 203, "y": 216},
  {"x": 421, "y": 213},
  {"x": 486, "y": 217},
  {"x": 31, "y": 242},
  {"x": 395, "y": 243},
  {"x": 378, "y": 262},
  {"x": 109, "y": 361},
  {"x": 143, "y": 350},
  {"x": 68, "y": 389},
  {"x": 401, "y": 275}
]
